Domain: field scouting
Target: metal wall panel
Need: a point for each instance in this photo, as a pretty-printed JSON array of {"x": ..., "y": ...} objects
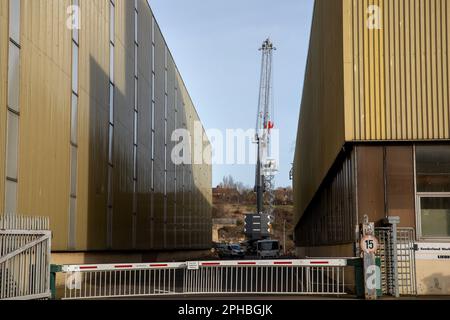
[
  {"x": 144, "y": 127},
  {"x": 4, "y": 42},
  {"x": 321, "y": 126},
  {"x": 399, "y": 83},
  {"x": 399, "y": 167},
  {"x": 45, "y": 130},
  {"x": 332, "y": 214},
  {"x": 93, "y": 119},
  {"x": 45, "y": 115},
  {"x": 387, "y": 84}
]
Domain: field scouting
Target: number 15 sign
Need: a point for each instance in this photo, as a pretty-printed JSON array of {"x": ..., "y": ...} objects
[{"x": 369, "y": 244}]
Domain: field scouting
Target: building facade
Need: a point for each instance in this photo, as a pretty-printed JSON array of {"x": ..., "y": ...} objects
[
  {"x": 374, "y": 130},
  {"x": 89, "y": 98}
]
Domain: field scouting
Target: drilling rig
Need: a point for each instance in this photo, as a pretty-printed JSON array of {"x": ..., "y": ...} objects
[{"x": 258, "y": 225}]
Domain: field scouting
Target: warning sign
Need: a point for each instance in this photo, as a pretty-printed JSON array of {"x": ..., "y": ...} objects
[
  {"x": 369, "y": 244},
  {"x": 192, "y": 265}
]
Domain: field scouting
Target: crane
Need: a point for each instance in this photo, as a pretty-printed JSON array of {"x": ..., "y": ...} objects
[{"x": 257, "y": 226}]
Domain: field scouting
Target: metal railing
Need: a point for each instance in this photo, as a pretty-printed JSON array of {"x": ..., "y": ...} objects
[
  {"x": 292, "y": 277},
  {"x": 25, "y": 245},
  {"x": 403, "y": 257}
]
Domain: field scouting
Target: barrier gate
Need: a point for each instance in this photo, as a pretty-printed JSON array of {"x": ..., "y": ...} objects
[{"x": 274, "y": 277}]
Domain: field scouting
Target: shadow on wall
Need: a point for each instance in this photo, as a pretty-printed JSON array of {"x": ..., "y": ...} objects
[
  {"x": 435, "y": 284},
  {"x": 173, "y": 230}
]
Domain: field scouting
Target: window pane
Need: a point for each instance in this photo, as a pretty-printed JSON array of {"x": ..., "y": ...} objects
[
  {"x": 135, "y": 162},
  {"x": 13, "y": 77},
  {"x": 111, "y": 104},
  {"x": 435, "y": 217},
  {"x": 110, "y": 190},
  {"x": 74, "y": 68},
  {"x": 111, "y": 22},
  {"x": 10, "y": 197},
  {"x": 135, "y": 25},
  {"x": 74, "y": 120},
  {"x": 433, "y": 168},
  {"x": 135, "y": 94},
  {"x": 72, "y": 220},
  {"x": 110, "y": 146},
  {"x": 73, "y": 171},
  {"x": 153, "y": 87},
  {"x": 135, "y": 128},
  {"x": 12, "y": 145},
  {"x": 111, "y": 63},
  {"x": 14, "y": 20}
]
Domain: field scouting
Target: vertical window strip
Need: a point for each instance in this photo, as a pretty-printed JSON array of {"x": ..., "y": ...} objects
[
  {"x": 13, "y": 109},
  {"x": 135, "y": 124},
  {"x": 74, "y": 136},
  {"x": 109, "y": 213}
]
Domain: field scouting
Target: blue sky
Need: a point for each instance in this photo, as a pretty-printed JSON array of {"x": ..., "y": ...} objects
[{"x": 215, "y": 46}]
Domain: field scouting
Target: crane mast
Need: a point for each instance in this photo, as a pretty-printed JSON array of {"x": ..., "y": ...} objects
[{"x": 265, "y": 167}]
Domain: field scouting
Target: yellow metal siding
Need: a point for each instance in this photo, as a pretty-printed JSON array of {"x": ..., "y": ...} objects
[
  {"x": 45, "y": 113},
  {"x": 93, "y": 115},
  {"x": 399, "y": 80},
  {"x": 4, "y": 41},
  {"x": 44, "y": 148},
  {"x": 321, "y": 125},
  {"x": 395, "y": 82}
]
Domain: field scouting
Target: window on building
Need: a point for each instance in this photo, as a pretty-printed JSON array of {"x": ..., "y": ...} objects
[
  {"x": 111, "y": 103},
  {"x": 10, "y": 196},
  {"x": 14, "y": 20},
  {"x": 13, "y": 77},
  {"x": 433, "y": 190},
  {"x": 12, "y": 145},
  {"x": 111, "y": 63},
  {"x": 75, "y": 68},
  {"x": 74, "y": 120},
  {"x": 111, "y": 22},
  {"x": 73, "y": 171},
  {"x": 435, "y": 217}
]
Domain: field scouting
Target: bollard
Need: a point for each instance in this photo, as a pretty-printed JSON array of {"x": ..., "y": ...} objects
[{"x": 54, "y": 269}]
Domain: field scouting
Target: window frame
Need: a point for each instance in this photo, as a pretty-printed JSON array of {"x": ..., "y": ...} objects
[{"x": 418, "y": 198}]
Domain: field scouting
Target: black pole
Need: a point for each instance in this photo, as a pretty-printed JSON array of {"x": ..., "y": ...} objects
[{"x": 259, "y": 188}]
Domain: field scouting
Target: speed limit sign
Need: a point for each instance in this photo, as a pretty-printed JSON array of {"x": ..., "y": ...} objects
[{"x": 369, "y": 244}]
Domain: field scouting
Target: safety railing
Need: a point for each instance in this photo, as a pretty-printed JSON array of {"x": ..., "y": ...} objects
[
  {"x": 273, "y": 277},
  {"x": 25, "y": 244}
]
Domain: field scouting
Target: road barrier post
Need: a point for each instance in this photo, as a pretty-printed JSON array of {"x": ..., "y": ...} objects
[{"x": 54, "y": 269}]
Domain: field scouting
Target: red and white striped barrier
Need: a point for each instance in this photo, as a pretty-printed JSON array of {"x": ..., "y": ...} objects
[{"x": 183, "y": 265}]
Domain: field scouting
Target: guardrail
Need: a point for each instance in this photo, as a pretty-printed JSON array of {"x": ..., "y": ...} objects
[{"x": 273, "y": 277}]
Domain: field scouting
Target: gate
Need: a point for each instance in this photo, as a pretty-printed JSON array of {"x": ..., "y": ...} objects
[
  {"x": 272, "y": 277},
  {"x": 25, "y": 244},
  {"x": 398, "y": 263}
]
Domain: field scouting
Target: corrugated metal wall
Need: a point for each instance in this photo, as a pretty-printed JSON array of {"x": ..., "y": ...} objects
[
  {"x": 45, "y": 79},
  {"x": 177, "y": 213},
  {"x": 332, "y": 214},
  {"x": 366, "y": 84},
  {"x": 321, "y": 125},
  {"x": 397, "y": 77},
  {"x": 4, "y": 39}
]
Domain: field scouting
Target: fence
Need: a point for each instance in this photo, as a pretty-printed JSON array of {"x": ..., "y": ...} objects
[
  {"x": 293, "y": 277},
  {"x": 24, "y": 257}
]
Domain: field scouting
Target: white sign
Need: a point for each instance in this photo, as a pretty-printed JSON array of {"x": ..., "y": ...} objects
[
  {"x": 369, "y": 244},
  {"x": 192, "y": 265},
  {"x": 433, "y": 251}
]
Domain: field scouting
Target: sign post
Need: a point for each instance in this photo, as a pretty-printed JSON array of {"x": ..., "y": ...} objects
[{"x": 369, "y": 246}]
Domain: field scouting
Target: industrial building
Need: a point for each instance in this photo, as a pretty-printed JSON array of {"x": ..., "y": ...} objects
[
  {"x": 374, "y": 130},
  {"x": 89, "y": 98}
]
